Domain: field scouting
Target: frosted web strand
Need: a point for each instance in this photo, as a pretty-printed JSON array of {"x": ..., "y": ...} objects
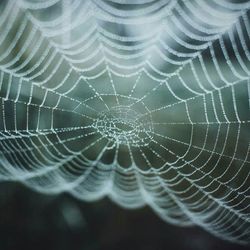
[{"x": 146, "y": 103}]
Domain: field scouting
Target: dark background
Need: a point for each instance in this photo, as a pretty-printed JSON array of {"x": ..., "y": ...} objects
[{"x": 30, "y": 220}]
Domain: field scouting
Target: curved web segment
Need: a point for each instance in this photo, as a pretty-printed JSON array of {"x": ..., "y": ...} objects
[{"x": 144, "y": 101}]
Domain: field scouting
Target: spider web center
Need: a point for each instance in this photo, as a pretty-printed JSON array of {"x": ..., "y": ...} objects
[{"x": 124, "y": 125}]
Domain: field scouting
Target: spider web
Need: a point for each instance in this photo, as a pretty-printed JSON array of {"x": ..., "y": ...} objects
[{"x": 146, "y": 102}]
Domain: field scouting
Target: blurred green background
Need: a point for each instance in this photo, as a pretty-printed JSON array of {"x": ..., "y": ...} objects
[{"x": 30, "y": 220}]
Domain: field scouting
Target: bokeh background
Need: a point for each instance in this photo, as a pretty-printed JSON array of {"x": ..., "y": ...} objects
[{"x": 30, "y": 220}]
